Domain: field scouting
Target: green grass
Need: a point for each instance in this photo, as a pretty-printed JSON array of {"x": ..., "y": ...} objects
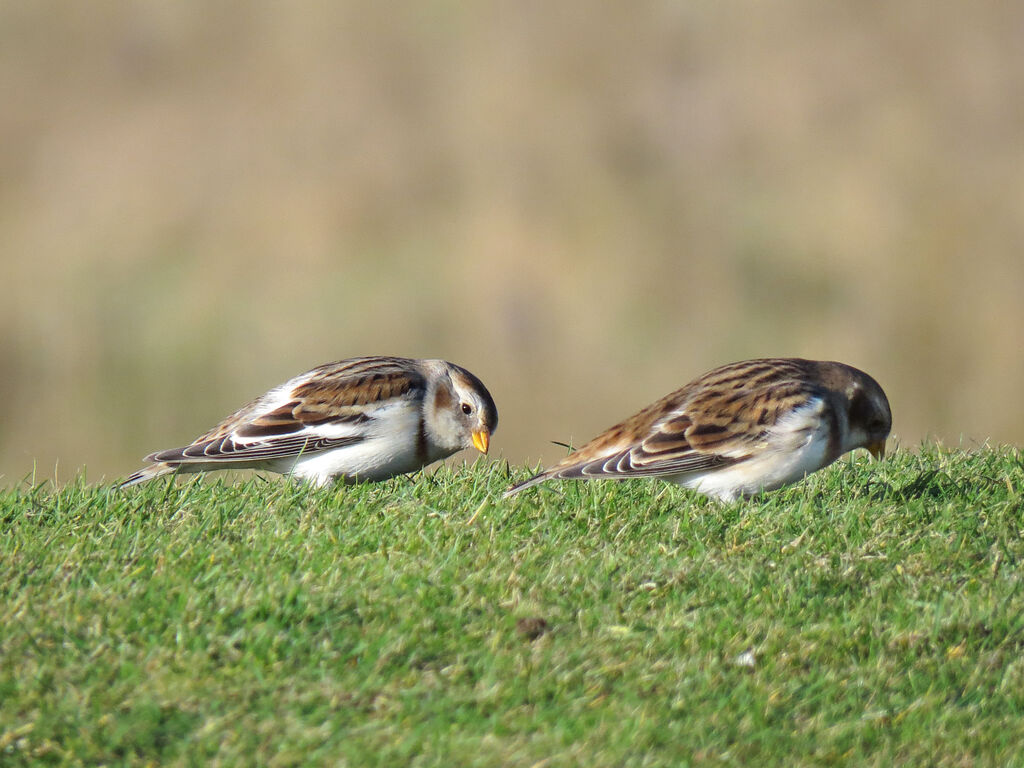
[{"x": 872, "y": 615}]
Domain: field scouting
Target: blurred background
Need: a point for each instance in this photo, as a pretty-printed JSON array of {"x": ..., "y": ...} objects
[{"x": 587, "y": 205}]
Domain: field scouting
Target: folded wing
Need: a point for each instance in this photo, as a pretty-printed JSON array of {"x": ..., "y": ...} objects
[
  {"x": 691, "y": 431},
  {"x": 329, "y": 407}
]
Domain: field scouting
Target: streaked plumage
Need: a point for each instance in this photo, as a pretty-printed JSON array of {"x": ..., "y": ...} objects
[
  {"x": 366, "y": 418},
  {"x": 740, "y": 429}
]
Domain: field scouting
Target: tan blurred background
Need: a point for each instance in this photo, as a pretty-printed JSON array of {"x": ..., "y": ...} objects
[{"x": 585, "y": 204}]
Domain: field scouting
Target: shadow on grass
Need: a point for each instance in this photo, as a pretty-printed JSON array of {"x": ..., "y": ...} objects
[{"x": 933, "y": 484}]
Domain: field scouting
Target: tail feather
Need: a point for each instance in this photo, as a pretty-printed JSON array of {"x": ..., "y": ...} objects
[
  {"x": 535, "y": 480},
  {"x": 148, "y": 473}
]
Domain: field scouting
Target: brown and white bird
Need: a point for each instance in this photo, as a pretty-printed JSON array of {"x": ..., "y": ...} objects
[
  {"x": 740, "y": 429},
  {"x": 366, "y": 418}
]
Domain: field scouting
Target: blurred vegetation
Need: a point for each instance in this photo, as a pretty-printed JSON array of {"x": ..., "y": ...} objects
[{"x": 585, "y": 206}]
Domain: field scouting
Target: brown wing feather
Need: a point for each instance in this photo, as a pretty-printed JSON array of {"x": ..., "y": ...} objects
[
  {"x": 334, "y": 392},
  {"x": 360, "y": 382},
  {"x": 715, "y": 420},
  {"x": 225, "y": 449}
]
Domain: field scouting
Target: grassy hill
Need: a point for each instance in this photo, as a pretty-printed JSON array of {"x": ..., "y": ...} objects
[{"x": 872, "y": 615}]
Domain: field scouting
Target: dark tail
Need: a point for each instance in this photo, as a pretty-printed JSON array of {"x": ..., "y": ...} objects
[
  {"x": 535, "y": 480},
  {"x": 147, "y": 473}
]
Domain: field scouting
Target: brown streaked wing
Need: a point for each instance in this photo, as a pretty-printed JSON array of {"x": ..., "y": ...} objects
[
  {"x": 331, "y": 393},
  {"x": 358, "y": 382},
  {"x": 663, "y": 451},
  {"x": 295, "y": 417},
  {"x": 227, "y": 450},
  {"x": 732, "y": 422},
  {"x": 715, "y": 420},
  {"x": 612, "y": 453}
]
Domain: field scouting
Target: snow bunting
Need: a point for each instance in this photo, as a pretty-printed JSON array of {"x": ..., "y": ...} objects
[
  {"x": 366, "y": 418},
  {"x": 740, "y": 429}
]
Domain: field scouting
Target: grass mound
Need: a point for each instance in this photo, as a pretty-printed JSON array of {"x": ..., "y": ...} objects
[{"x": 871, "y": 615}]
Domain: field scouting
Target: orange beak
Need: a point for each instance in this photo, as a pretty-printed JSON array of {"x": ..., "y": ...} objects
[
  {"x": 877, "y": 449},
  {"x": 481, "y": 440}
]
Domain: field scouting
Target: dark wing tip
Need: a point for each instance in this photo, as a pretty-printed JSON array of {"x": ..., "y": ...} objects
[
  {"x": 174, "y": 454},
  {"x": 133, "y": 479}
]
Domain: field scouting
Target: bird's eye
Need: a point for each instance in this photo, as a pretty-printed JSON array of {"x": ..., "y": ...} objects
[{"x": 467, "y": 408}]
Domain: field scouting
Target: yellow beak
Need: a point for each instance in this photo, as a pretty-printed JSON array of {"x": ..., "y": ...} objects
[
  {"x": 482, "y": 440},
  {"x": 877, "y": 449}
]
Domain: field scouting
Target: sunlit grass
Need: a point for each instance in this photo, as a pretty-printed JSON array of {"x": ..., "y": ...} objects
[{"x": 872, "y": 615}]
